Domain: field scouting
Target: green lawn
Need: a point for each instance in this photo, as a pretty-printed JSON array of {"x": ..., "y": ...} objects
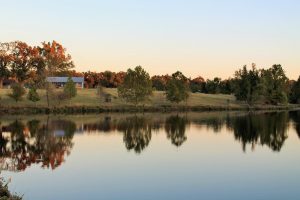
[{"x": 88, "y": 97}]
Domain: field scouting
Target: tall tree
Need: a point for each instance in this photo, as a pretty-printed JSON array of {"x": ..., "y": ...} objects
[
  {"x": 5, "y": 61},
  {"x": 248, "y": 85},
  {"x": 177, "y": 88},
  {"x": 56, "y": 60},
  {"x": 38, "y": 64},
  {"x": 295, "y": 92},
  {"x": 137, "y": 86},
  {"x": 276, "y": 84},
  {"x": 22, "y": 61}
]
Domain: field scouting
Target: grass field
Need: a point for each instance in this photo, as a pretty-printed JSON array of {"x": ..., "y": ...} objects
[{"x": 89, "y": 97}]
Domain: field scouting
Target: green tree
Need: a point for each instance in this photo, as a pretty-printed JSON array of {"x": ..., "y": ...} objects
[
  {"x": 242, "y": 84},
  {"x": 177, "y": 88},
  {"x": 276, "y": 84},
  {"x": 248, "y": 85},
  {"x": 33, "y": 95},
  {"x": 213, "y": 86},
  {"x": 18, "y": 92},
  {"x": 137, "y": 86},
  {"x": 295, "y": 92},
  {"x": 70, "y": 88}
]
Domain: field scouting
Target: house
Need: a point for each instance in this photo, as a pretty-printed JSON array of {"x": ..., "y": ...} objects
[{"x": 61, "y": 81}]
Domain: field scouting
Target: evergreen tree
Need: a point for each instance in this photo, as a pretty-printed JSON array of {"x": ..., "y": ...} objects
[
  {"x": 177, "y": 88},
  {"x": 70, "y": 88},
  {"x": 137, "y": 86},
  {"x": 248, "y": 85}
]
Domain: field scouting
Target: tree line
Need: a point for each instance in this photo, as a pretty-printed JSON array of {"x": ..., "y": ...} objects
[
  {"x": 254, "y": 86},
  {"x": 30, "y": 66}
]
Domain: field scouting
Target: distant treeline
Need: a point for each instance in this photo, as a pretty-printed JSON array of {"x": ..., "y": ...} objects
[
  {"x": 30, "y": 65},
  {"x": 268, "y": 86}
]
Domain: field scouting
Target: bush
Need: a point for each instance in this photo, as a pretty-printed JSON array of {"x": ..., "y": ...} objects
[
  {"x": 33, "y": 95},
  {"x": 18, "y": 92},
  {"x": 61, "y": 96},
  {"x": 5, "y": 194}
]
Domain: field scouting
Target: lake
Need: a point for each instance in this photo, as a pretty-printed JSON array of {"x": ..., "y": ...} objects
[{"x": 205, "y": 155}]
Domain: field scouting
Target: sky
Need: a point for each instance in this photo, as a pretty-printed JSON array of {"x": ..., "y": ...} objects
[{"x": 208, "y": 38}]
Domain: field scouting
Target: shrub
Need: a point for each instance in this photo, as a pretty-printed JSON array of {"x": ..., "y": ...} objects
[
  {"x": 61, "y": 96},
  {"x": 18, "y": 92},
  {"x": 70, "y": 88},
  {"x": 33, "y": 95}
]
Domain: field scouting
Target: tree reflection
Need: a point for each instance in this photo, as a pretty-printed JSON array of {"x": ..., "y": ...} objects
[
  {"x": 266, "y": 129},
  {"x": 175, "y": 128},
  {"x": 137, "y": 133},
  {"x": 295, "y": 116},
  {"x": 36, "y": 142},
  {"x": 49, "y": 141}
]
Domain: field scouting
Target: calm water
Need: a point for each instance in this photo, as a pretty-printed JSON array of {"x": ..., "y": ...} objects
[{"x": 214, "y": 155}]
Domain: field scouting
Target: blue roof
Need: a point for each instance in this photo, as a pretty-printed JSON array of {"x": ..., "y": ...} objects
[{"x": 64, "y": 79}]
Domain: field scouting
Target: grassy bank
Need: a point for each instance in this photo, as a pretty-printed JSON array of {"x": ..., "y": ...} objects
[{"x": 87, "y": 101}]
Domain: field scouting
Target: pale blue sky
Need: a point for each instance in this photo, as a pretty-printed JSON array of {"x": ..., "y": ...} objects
[{"x": 208, "y": 38}]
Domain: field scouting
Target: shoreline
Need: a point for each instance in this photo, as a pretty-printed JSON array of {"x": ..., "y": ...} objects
[{"x": 72, "y": 110}]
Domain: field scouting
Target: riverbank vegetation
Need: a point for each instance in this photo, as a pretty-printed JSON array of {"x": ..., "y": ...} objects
[
  {"x": 5, "y": 194},
  {"x": 24, "y": 69}
]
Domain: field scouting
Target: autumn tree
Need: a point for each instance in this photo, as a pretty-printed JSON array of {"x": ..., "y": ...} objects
[
  {"x": 56, "y": 60},
  {"x": 160, "y": 82},
  {"x": 177, "y": 88},
  {"x": 5, "y": 61},
  {"x": 21, "y": 65},
  {"x": 38, "y": 65},
  {"x": 197, "y": 84},
  {"x": 137, "y": 86}
]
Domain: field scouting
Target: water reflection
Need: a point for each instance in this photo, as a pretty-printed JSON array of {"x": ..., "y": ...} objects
[
  {"x": 265, "y": 129},
  {"x": 296, "y": 118},
  {"x": 47, "y": 140},
  {"x": 175, "y": 128},
  {"x": 45, "y": 143},
  {"x": 136, "y": 132}
]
